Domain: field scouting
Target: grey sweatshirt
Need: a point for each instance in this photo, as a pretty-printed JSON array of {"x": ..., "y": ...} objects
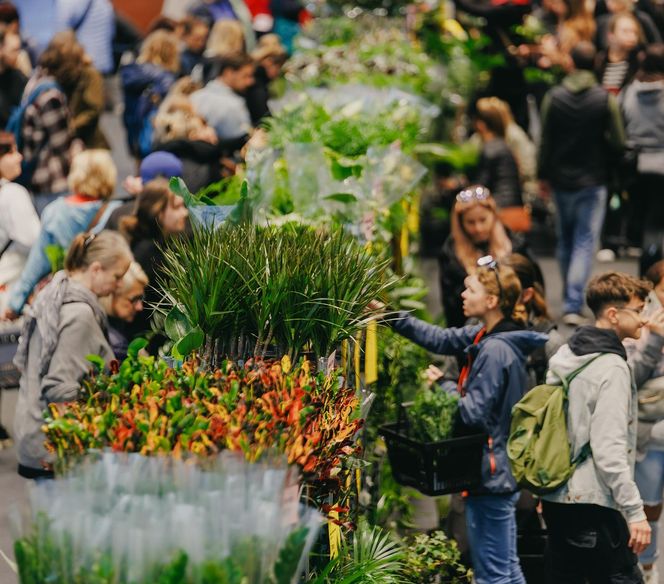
[
  {"x": 79, "y": 335},
  {"x": 602, "y": 411}
]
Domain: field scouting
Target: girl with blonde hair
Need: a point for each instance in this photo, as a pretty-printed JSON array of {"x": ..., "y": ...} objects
[
  {"x": 476, "y": 231},
  {"x": 92, "y": 182},
  {"x": 226, "y": 39},
  {"x": 160, "y": 48}
]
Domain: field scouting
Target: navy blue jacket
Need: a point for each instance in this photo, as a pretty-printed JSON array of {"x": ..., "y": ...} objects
[
  {"x": 145, "y": 86},
  {"x": 497, "y": 380}
]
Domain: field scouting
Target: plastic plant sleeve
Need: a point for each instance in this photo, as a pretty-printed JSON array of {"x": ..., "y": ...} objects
[
  {"x": 391, "y": 174},
  {"x": 211, "y": 215},
  {"x": 119, "y": 519},
  {"x": 309, "y": 176}
]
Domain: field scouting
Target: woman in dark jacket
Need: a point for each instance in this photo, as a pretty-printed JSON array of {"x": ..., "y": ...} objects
[
  {"x": 475, "y": 231},
  {"x": 492, "y": 381},
  {"x": 145, "y": 84},
  {"x": 158, "y": 215},
  {"x": 270, "y": 56},
  {"x": 497, "y": 168}
]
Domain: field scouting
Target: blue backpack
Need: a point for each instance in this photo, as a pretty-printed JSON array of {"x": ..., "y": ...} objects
[{"x": 15, "y": 126}]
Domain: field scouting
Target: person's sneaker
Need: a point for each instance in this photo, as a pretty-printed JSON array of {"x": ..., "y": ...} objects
[
  {"x": 606, "y": 255},
  {"x": 574, "y": 319},
  {"x": 650, "y": 576}
]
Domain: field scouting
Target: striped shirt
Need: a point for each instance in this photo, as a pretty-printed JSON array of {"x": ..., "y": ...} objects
[
  {"x": 614, "y": 76},
  {"x": 95, "y": 31}
]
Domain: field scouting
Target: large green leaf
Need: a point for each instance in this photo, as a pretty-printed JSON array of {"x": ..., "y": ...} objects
[
  {"x": 242, "y": 214},
  {"x": 189, "y": 343},
  {"x": 177, "y": 324},
  {"x": 178, "y": 186},
  {"x": 97, "y": 361},
  {"x": 136, "y": 346},
  {"x": 345, "y": 198},
  {"x": 56, "y": 257}
]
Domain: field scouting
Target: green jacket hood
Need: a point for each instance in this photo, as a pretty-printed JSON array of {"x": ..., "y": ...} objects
[{"x": 579, "y": 81}]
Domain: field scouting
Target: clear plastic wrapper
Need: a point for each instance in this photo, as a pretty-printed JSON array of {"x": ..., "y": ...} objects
[
  {"x": 211, "y": 215},
  {"x": 133, "y": 519},
  {"x": 391, "y": 174}
]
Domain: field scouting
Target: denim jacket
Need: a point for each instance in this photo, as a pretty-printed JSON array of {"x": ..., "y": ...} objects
[
  {"x": 62, "y": 220},
  {"x": 497, "y": 380}
]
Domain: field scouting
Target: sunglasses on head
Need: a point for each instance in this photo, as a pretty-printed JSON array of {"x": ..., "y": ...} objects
[
  {"x": 478, "y": 193},
  {"x": 490, "y": 263}
]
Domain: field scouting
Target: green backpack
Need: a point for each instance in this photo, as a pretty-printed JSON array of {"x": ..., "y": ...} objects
[{"x": 538, "y": 448}]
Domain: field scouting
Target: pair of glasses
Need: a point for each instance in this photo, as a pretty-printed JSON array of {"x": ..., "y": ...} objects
[
  {"x": 477, "y": 193},
  {"x": 490, "y": 263},
  {"x": 136, "y": 299},
  {"x": 637, "y": 311}
]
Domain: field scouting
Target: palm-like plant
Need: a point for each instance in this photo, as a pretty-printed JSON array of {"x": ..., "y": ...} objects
[{"x": 373, "y": 557}]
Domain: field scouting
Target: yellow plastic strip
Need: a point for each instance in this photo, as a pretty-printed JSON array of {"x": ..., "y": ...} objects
[
  {"x": 414, "y": 214},
  {"x": 371, "y": 354},
  {"x": 403, "y": 239},
  {"x": 334, "y": 532},
  {"x": 356, "y": 361},
  {"x": 344, "y": 357}
]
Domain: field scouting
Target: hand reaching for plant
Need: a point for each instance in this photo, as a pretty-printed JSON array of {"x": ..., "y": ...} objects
[
  {"x": 377, "y": 305},
  {"x": 432, "y": 374}
]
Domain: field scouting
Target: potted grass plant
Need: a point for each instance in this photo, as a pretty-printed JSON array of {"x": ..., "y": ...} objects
[{"x": 251, "y": 291}]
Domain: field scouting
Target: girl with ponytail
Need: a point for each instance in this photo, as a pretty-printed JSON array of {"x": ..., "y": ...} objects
[
  {"x": 493, "y": 379},
  {"x": 532, "y": 308},
  {"x": 159, "y": 214},
  {"x": 64, "y": 325}
]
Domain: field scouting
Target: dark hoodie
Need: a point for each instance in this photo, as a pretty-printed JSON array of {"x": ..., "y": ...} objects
[
  {"x": 590, "y": 339},
  {"x": 582, "y": 133},
  {"x": 496, "y": 381}
]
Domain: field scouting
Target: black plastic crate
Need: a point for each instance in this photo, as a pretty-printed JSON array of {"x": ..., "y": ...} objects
[{"x": 435, "y": 468}]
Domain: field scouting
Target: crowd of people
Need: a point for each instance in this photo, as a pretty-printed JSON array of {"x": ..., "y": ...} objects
[
  {"x": 78, "y": 263},
  {"x": 80, "y": 258}
]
